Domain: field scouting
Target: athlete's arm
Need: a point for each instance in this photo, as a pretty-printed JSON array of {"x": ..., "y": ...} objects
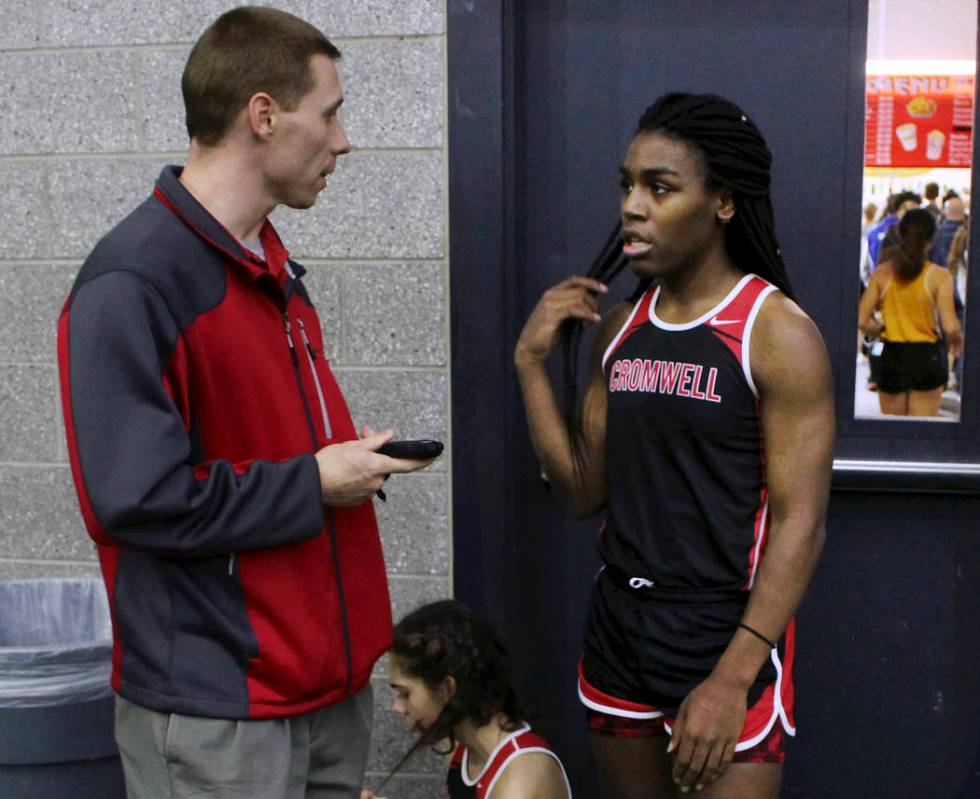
[
  {"x": 947, "y": 311},
  {"x": 869, "y": 303},
  {"x": 533, "y": 775},
  {"x": 584, "y": 491},
  {"x": 792, "y": 372}
]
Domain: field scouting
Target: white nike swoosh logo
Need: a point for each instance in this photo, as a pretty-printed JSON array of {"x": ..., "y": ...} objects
[{"x": 716, "y": 321}]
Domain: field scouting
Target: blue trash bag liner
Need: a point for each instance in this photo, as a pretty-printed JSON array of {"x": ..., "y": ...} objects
[{"x": 55, "y": 642}]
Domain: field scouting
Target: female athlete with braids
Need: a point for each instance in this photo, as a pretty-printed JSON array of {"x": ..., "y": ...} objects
[
  {"x": 451, "y": 677},
  {"x": 706, "y": 433}
]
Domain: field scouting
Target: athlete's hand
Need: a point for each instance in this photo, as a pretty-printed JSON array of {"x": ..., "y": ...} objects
[
  {"x": 574, "y": 298},
  {"x": 352, "y": 471},
  {"x": 703, "y": 739}
]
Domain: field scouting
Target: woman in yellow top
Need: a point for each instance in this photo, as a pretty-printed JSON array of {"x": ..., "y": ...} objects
[{"x": 907, "y": 302}]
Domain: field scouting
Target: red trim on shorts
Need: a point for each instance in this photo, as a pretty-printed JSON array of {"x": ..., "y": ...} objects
[
  {"x": 613, "y": 716},
  {"x": 771, "y": 749},
  {"x": 623, "y": 727},
  {"x": 789, "y": 687},
  {"x": 590, "y": 695}
]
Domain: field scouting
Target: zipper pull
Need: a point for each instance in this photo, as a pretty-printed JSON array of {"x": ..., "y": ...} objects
[
  {"x": 306, "y": 341},
  {"x": 289, "y": 339}
]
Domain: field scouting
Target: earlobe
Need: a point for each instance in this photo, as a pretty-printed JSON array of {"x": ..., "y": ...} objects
[
  {"x": 448, "y": 688},
  {"x": 726, "y": 208}
]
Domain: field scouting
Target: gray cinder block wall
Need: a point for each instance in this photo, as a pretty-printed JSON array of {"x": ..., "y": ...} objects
[{"x": 93, "y": 112}]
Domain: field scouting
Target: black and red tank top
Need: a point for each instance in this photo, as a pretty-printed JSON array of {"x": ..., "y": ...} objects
[
  {"x": 459, "y": 785},
  {"x": 685, "y": 456}
]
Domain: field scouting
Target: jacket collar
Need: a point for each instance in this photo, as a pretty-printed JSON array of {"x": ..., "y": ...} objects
[{"x": 172, "y": 193}]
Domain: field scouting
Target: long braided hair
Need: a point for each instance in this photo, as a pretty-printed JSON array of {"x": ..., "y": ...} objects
[
  {"x": 736, "y": 158},
  {"x": 445, "y": 639}
]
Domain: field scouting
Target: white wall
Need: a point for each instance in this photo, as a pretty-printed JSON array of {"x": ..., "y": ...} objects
[{"x": 922, "y": 29}]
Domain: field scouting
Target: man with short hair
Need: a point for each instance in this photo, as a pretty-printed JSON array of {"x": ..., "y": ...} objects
[
  {"x": 216, "y": 463},
  {"x": 931, "y": 194}
]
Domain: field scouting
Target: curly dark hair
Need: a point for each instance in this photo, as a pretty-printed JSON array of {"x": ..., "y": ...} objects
[{"x": 445, "y": 639}]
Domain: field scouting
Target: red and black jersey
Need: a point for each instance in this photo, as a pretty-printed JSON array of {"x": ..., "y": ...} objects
[
  {"x": 459, "y": 785},
  {"x": 195, "y": 391},
  {"x": 685, "y": 455}
]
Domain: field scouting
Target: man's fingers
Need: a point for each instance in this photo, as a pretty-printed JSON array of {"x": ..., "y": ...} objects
[
  {"x": 404, "y": 465},
  {"x": 372, "y": 440}
]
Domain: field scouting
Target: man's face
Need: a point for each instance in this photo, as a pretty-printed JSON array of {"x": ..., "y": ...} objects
[
  {"x": 669, "y": 216},
  {"x": 308, "y": 140}
]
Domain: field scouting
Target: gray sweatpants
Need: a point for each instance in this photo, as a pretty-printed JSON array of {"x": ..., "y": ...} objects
[{"x": 317, "y": 755}]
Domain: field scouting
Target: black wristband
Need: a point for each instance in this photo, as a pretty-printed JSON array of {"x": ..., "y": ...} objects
[{"x": 757, "y": 634}]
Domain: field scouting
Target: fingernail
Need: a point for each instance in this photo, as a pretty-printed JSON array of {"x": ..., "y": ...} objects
[
  {"x": 698, "y": 787},
  {"x": 596, "y": 317},
  {"x": 685, "y": 789},
  {"x": 603, "y": 288}
]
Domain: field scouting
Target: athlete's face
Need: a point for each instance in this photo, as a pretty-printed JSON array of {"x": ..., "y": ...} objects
[
  {"x": 671, "y": 219},
  {"x": 308, "y": 140},
  {"x": 418, "y": 704}
]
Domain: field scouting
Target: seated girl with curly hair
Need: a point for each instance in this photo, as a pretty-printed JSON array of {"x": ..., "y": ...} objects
[{"x": 451, "y": 677}]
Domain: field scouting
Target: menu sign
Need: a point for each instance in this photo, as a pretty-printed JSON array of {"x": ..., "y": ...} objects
[{"x": 918, "y": 120}]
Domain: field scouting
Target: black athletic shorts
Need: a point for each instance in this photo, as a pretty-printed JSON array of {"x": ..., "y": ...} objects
[
  {"x": 652, "y": 646},
  {"x": 912, "y": 367}
]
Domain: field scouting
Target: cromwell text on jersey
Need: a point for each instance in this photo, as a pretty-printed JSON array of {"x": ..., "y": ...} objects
[{"x": 680, "y": 378}]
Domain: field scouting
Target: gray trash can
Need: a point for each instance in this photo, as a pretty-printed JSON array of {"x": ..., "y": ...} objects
[{"x": 56, "y": 704}]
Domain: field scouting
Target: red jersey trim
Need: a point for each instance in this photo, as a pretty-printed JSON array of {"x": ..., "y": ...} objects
[
  {"x": 766, "y": 290},
  {"x": 521, "y": 741},
  {"x": 712, "y": 317},
  {"x": 638, "y": 316}
]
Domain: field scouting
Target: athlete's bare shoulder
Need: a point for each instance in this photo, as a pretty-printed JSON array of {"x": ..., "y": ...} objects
[
  {"x": 532, "y": 775},
  {"x": 787, "y": 348}
]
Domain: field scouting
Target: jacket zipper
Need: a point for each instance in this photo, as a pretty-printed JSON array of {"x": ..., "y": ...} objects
[
  {"x": 345, "y": 626},
  {"x": 306, "y": 408},
  {"x": 331, "y": 527},
  {"x": 299, "y": 380},
  {"x": 311, "y": 356}
]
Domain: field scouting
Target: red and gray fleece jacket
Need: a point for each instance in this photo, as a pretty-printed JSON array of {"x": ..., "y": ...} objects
[{"x": 195, "y": 391}]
